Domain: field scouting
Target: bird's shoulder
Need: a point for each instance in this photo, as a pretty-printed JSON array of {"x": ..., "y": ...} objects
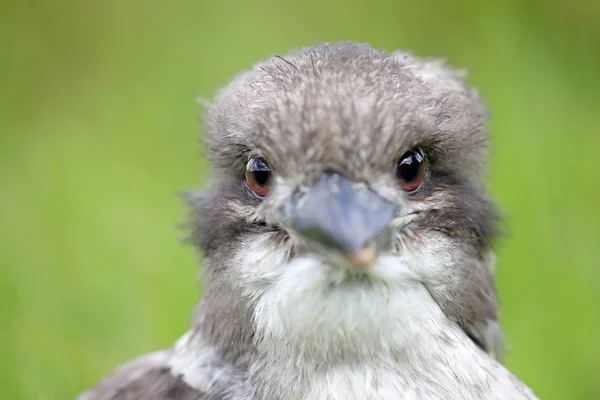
[{"x": 147, "y": 377}]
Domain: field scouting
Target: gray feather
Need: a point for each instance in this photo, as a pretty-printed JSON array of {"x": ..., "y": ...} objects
[{"x": 147, "y": 377}]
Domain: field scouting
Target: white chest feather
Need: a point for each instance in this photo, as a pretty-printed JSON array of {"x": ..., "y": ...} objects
[
  {"x": 321, "y": 334},
  {"x": 378, "y": 339}
]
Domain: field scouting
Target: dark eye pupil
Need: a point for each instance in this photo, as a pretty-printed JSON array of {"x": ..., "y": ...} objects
[
  {"x": 261, "y": 177},
  {"x": 409, "y": 167},
  {"x": 260, "y": 171}
]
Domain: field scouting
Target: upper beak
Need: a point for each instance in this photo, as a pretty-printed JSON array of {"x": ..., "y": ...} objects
[{"x": 340, "y": 217}]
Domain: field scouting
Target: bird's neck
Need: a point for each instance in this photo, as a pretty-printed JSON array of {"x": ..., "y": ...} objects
[
  {"x": 416, "y": 344},
  {"x": 353, "y": 322},
  {"x": 355, "y": 326}
]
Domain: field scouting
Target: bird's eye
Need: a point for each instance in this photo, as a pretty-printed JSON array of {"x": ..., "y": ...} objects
[
  {"x": 410, "y": 171},
  {"x": 258, "y": 176}
]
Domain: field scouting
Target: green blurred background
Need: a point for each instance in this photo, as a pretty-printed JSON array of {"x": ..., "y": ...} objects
[{"x": 99, "y": 131}]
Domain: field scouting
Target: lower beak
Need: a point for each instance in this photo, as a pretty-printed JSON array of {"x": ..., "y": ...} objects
[{"x": 340, "y": 217}]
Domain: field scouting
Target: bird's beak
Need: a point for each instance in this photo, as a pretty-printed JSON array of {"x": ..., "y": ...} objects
[{"x": 340, "y": 217}]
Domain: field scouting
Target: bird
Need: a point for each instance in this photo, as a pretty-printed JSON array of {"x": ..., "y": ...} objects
[{"x": 347, "y": 238}]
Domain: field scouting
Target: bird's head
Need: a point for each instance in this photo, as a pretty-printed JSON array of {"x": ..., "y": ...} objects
[{"x": 345, "y": 178}]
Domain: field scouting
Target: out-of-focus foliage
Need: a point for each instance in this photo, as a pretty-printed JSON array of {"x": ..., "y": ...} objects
[{"x": 99, "y": 130}]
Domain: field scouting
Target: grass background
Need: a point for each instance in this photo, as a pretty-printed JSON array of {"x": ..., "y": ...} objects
[{"x": 99, "y": 129}]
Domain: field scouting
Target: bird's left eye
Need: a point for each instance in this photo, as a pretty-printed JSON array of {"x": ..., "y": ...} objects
[
  {"x": 410, "y": 171},
  {"x": 258, "y": 176}
]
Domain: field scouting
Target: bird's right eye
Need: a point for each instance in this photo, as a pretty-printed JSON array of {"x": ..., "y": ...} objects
[
  {"x": 258, "y": 176},
  {"x": 410, "y": 170}
]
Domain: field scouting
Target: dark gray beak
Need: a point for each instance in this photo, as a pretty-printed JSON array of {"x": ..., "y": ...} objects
[{"x": 340, "y": 217}]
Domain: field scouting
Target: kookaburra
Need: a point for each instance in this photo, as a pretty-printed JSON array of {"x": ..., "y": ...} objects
[{"x": 347, "y": 239}]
